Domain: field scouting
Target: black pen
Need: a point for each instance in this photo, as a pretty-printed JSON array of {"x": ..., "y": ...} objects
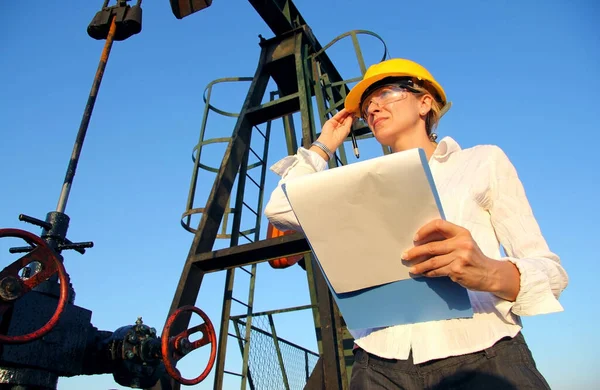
[{"x": 354, "y": 145}]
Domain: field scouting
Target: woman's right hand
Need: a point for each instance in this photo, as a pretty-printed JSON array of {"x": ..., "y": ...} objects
[{"x": 335, "y": 131}]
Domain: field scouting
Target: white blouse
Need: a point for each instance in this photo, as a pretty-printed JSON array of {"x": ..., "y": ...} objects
[{"x": 480, "y": 191}]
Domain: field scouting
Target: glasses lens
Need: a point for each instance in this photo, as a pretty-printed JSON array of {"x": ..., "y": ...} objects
[{"x": 381, "y": 96}]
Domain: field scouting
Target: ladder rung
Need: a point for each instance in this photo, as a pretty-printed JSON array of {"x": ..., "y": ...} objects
[
  {"x": 233, "y": 373},
  {"x": 253, "y": 181},
  {"x": 237, "y": 337},
  {"x": 257, "y": 156},
  {"x": 255, "y": 165},
  {"x": 250, "y": 208},
  {"x": 240, "y": 302}
]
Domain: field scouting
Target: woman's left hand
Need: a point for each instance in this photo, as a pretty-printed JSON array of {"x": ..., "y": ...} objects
[{"x": 445, "y": 249}]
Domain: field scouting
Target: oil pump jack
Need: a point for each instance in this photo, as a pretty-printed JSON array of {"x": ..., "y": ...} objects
[{"x": 44, "y": 335}]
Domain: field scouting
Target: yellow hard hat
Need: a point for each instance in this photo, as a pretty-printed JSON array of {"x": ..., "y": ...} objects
[{"x": 397, "y": 67}]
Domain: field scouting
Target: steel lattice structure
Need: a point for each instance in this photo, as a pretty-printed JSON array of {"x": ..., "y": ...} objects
[{"x": 305, "y": 78}]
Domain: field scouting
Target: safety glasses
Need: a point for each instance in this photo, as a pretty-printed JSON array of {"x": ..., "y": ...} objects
[{"x": 386, "y": 94}]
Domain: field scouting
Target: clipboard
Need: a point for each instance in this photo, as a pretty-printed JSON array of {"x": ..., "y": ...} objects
[{"x": 358, "y": 219}]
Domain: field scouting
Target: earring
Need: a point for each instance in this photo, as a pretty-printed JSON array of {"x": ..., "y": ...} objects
[{"x": 432, "y": 137}]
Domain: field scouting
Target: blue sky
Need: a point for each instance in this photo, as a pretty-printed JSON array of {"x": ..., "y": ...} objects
[{"x": 524, "y": 77}]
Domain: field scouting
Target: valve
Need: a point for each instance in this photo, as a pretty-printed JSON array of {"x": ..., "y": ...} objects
[
  {"x": 13, "y": 287},
  {"x": 176, "y": 347},
  {"x": 135, "y": 356}
]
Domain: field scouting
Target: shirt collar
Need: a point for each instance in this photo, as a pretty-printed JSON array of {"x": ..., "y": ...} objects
[{"x": 445, "y": 148}]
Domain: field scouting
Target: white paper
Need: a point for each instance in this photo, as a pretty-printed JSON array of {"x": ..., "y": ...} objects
[{"x": 359, "y": 218}]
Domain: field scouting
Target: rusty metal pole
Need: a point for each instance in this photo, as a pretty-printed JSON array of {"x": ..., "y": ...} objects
[{"x": 85, "y": 121}]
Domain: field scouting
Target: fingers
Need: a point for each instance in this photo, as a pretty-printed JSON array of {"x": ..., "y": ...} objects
[
  {"x": 429, "y": 249},
  {"x": 342, "y": 119},
  {"x": 430, "y": 238},
  {"x": 434, "y": 267},
  {"x": 415, "y": 260},
  {"x": 346, "y": 123},
  {"x": 336, "y": 129},
  {"x": 440, "y": 272},
  {"x": 341, "y": 115},
  {"x": 438, "y": 227}
]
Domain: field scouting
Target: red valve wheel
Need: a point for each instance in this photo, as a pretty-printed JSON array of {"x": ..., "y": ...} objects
[
  {"x": 176, "y": 347},
  {"x": 13, "y": 287}
]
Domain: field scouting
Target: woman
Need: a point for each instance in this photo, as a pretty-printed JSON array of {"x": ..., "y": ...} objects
[{"x": 485, "y": 207}]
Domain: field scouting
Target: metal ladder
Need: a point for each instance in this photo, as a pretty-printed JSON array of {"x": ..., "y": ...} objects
[
  {"x": 236, "y": 232},
  {"x": 251, "y": 235}
]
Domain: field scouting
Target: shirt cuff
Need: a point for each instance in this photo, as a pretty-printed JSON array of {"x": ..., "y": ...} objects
[
  {"x": 535, "y": 295},
  {"x": 305, "y": 156}
]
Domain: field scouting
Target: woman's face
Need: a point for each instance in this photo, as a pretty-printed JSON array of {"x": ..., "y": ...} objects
[{"x": 392, "y": 112}]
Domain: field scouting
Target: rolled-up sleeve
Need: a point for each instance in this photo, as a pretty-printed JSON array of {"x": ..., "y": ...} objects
[
  {"x": 278, "y": 210},
  {"x": 542, "y": 277}
]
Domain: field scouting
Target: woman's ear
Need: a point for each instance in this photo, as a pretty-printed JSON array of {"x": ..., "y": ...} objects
[{"x": 425, "y": 104}]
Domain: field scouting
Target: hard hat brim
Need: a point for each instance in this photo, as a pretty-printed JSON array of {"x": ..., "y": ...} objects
[{"x": 352, "y": 102}]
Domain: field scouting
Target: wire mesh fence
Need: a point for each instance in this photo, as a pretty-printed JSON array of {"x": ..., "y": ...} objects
[{"x": 274, "y": 363}]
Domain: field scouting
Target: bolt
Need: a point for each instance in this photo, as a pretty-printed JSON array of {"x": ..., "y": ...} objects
[
  {"x": 10, "y": 288},
  {"x": 185, "y": 346}
]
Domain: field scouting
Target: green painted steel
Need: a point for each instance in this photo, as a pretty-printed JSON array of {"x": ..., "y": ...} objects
[{"x": 317, "y": 83}]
